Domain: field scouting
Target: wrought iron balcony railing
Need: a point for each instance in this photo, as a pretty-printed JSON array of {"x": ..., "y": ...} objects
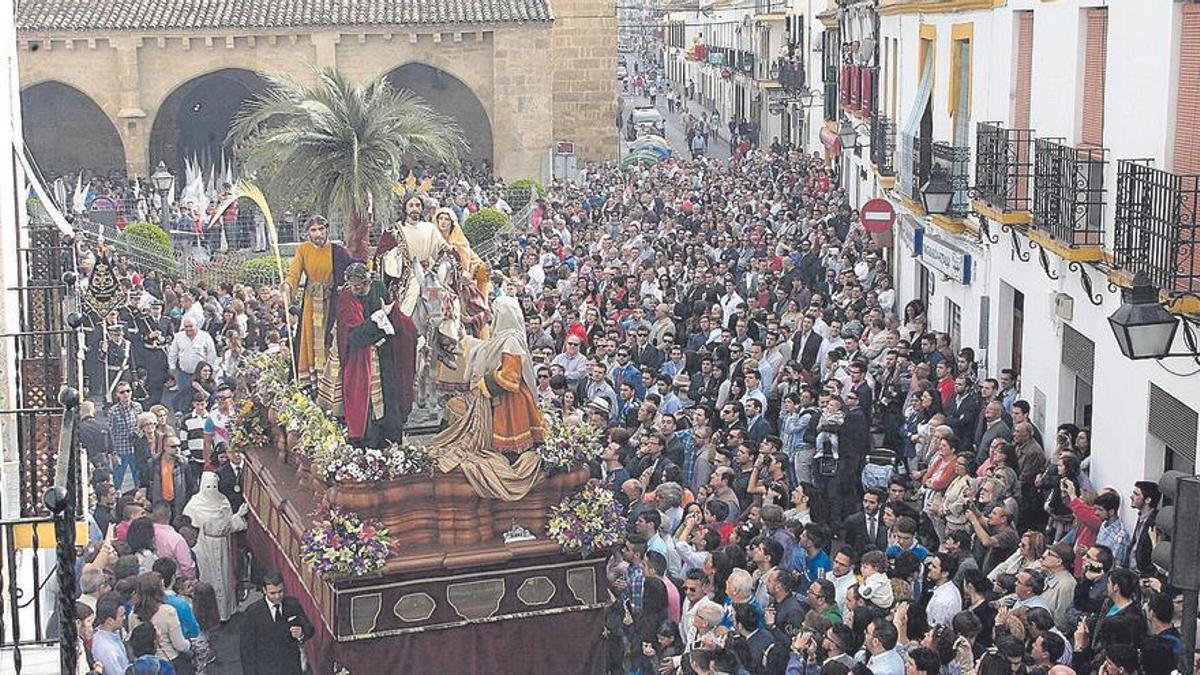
[
  {"x": 883, "y": 144},
  {"x": 1157, "y": 231},
  {"x": 916, "y": 156},
  {"x": 1004, "y": 166},
  {"x": 791, "y": 74},
  {"x": 955, "y": 161},
  {"x": 770, "y": 6},
  {"x": 1068, "y": 192},
  {"x": 831, "y": 93}
]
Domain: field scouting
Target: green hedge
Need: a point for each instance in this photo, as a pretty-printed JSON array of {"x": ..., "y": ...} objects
[
  {"x": 260, "y": 270},
  {"x": 148, "y": 245},
  {"x": 482, "y": 225},
  {"x": 517, "y": 193}
]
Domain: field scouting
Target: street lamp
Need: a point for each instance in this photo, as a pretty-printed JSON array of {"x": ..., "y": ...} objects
[
  {"x": 1143, "y": 327},
  {"x": 937, "y": 193},
  {"x": 162, "y": 180},
  {"x": 848, "y": 133}
]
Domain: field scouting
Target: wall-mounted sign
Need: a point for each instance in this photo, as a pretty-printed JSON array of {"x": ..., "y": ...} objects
[
  {"x": 947, "y": 259},
  {"x": 912, "y": 235}
]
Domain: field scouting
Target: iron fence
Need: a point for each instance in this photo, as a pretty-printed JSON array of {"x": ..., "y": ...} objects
[
  {"x": 1003, "y": 166},
  {"x": 1156, "y": 225},
  {"x": 29, "y": 611},
  {"x": 1068, "y": 192},
  {"x": 955, "y": 161},
  {"x": 916, "y": 160},
  {"x": 883, "y": 144},
  {"x": 791, "y": 74}
]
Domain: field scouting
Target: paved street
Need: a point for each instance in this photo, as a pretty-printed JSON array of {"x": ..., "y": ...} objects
[{"x": 675, "y": 132}]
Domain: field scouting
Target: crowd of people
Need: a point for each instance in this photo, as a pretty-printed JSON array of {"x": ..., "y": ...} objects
[{"x": 816, "y": 481}]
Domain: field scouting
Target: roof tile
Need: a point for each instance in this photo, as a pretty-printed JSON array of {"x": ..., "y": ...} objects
[{"x": 143, "y": 15}]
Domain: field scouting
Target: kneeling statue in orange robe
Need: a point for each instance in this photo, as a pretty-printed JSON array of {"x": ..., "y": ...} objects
[{"x": 501, "y": 416}]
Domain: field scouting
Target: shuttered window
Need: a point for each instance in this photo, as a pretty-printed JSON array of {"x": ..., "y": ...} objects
[
  {"x": 1095, "y": 57},
  {"x": 1187, "y": 113},
  {"x": 1173, "y": 423},
  {"x": 1024, "y": 70}
]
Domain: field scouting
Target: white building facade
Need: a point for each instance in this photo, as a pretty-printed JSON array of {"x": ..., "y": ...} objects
[
  {"x": 750, "y": 61},
  {"x": 1061, "y": 144}
]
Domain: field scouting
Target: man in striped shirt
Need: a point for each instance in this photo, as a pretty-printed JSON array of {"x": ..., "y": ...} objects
[{"x": 191, "y": 433}]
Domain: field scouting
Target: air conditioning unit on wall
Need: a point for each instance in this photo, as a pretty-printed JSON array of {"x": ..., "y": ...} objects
[{"x": 1064, "y": 306}]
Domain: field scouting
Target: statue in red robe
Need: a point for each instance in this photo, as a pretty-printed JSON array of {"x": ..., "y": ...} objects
[{"x": 368, "y": 348}]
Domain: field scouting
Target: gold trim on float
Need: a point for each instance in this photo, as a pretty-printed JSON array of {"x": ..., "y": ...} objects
[
  {"x": 413, "y": 613},
  {"x": 374, "y": 603},
  {"x": 469, "y": 575},
  {"x": 459, "y": 624},
  {"x": 533, "y": 591},
  {"x": 1003, "y": 217},
  {"x": 475, "y": 598},
  {"x": 1090, "y": 253}
]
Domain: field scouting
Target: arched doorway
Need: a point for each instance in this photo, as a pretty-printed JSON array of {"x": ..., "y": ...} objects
[
  {"x": 194, "y": 119},
  {"x": 449, "y": 96},
  {"x": 67, "y": 132}
]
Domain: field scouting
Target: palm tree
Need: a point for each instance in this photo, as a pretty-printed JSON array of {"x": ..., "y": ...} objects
[{"x": 337, "y": 146}]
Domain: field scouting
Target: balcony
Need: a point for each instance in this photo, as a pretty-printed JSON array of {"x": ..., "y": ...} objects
[
  {"x": 916, "y": 158},
  {"x": 857, "y": 89},
  {"x": 1003, "y": 173},
  {"x": 883, "y": 146},
  {"x": 791, "y": 75},
  {"x": 1156, "y": 227},
  {"x": 1068, "y": 199},
  {"x": 770, "y": 9},
  {"x": 954, "y": 161}
]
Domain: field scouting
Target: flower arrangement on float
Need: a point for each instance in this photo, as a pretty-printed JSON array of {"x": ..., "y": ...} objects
[
  {"x": 361, "y": 465},
  {"x": 340, "y": 544},
  {"x": 567, "y": 445},
  {"x": 249, "y": 428},
  {"x": 587, "y": 521},
  {"x": 268, "y": 376}
]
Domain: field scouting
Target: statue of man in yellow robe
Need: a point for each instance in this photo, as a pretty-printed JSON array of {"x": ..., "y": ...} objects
[{"x": 316, "y": 272}]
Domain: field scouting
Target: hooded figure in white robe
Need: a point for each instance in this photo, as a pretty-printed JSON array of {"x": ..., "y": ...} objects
[{"x": 214, "y": 518}]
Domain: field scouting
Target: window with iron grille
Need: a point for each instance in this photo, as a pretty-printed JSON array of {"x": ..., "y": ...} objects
[{"x": 954, "y": 323}]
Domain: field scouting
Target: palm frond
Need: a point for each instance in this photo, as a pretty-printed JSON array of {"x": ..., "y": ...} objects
[{"x": 338, "y": 145}]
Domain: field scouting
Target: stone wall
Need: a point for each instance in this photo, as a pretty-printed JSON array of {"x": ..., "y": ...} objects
[
  {"x": 536, "y": 82},
  {"x": 585, "y": 76}
]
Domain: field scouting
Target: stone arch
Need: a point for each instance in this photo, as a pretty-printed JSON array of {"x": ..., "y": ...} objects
[
  {"x": 66, "y": 130},
  {"x": 194, "y": 119},
  {"x": 452, "y": 97}
]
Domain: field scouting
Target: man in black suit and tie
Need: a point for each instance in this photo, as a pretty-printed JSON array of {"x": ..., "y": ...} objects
[
  {"x": 273, "y": 630},
  {"x": 231, "y": 478},
  {"x": 865, "y": 530},
  {"x": 806, "y": 344}
]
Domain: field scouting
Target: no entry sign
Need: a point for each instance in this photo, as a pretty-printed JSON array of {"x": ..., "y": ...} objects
[{"x": 877, "y": 215}]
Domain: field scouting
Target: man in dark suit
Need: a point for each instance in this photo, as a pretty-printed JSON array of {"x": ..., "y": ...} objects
[
  {"x": 807, "y": 344},
  {"x": 273, "y": 630},
  {"x": 865, "y": 531},
  {"x": 231, "y": 479},
  {"x": 644, "y": 353},
  {"x": 963, "y": 411}
]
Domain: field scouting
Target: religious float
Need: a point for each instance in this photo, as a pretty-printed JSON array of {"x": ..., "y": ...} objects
[{"x": 468, "y": 550}]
